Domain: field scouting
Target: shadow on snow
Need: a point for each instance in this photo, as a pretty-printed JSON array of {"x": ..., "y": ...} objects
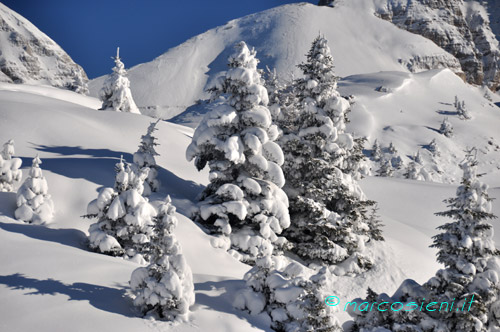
[
  {"x": 222, "y": 302},
  {"x": 108, "y": 299},
  {"x": 69, "y": 237}
]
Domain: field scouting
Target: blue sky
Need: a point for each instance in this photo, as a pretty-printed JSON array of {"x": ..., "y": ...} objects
[{"x": 89, "y": 31}]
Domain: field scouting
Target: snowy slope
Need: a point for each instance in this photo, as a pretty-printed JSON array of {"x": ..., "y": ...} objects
[
  {"x": 70, "y": 287},
  {"x": 27, "y": 55},
  {"x": 47, "y": 271},
  {"x": 410, "y": 113},
  {"x": 360, "y": 43}
]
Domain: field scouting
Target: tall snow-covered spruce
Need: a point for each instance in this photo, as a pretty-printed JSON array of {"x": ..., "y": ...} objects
[
  {"x": 124, "y": 224},
  {"x": 328, "y": 210},
  {"x": 115, "y": 93},
  {"x": 469, "y": 283},
  {"x": 467, "y": 250},
  {"x": 244, "y": 202},
  {"x": 34, "y": 204},
  {"x": 10, "y": 172},
  {"x": 145, "y": 158},
  {"x": 164, "y": 289}
]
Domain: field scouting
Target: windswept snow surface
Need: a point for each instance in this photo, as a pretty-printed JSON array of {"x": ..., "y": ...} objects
[{"x": 360, "y": 43}]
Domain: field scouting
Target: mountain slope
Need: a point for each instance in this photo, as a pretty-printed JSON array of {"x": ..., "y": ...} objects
[
  {"x": 48, "y": 272},
  {"x": 360, "y": 43},
  {"x": 27, "y": 55},
  {"x": 459, "y": 27}
]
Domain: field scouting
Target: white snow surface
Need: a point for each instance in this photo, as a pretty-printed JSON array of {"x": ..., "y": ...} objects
[
  {"x": 48, "y": 272},
  {"x": 72, "y": 288},
  {"x": 360, "y": 43}
]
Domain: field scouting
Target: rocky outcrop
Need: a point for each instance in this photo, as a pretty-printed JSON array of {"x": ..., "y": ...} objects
[
  {"x": 27, "y": 55},
  {"x": 459, "y": 27}
]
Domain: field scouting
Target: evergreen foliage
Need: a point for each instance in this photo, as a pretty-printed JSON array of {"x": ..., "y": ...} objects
[
  {"x": 115, "y": 93},
  {"x": 244, "y": 202}
]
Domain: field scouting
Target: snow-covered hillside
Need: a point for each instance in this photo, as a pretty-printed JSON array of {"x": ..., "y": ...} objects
[
  {"x": 48, "y": 271},
  {"x": 403, "y": 86},
  {"x": 29, "y": 56},
  {"x": 360, "y": 43}
]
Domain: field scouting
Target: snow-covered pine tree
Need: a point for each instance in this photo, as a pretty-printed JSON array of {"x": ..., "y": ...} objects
[
  {"x": 124, "y": 217},
  {"x": 446, "y": 128},
  {"x": 433, "y": 148},
  {"x": 244, "y": 202},
  {"x": 385, "y": 168},
  {"x": 355, "y": 162},
  {"x": 392, "y": 149},
  {"x": 328, "y": 208},
  {"x": 145, "y": 158},
  {"x": 413, "y": 171},
  {"x": 292, "y": 300},
  {"x": 164, "y": 289},
  {"x": 376, "y": 152},
  {"x": 10, "y": 172},
  {"x": 274, "y": 89},
  {"x": 8, "y": 150},
  {"x": 394, "y": 157},
  {"x": 470, "y": 279},
  {"x": 467, "y": 250},
  {"x": 462, "y": 111},
  {"x": 115, "y": 93},
  {"x": 34, "y": 204},
  {"x": 418, "y": 158}
]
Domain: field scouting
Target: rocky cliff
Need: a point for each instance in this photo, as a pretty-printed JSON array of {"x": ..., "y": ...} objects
[
  {"x": 27, "y": 55},
  {"x": 459, "y": 27}
]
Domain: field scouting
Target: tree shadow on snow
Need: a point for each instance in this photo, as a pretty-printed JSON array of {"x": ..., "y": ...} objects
[
  {"x": 450, "y": 113},
  {"x": 433, "y": 129},
  {"x": 108, "y": 299},
  {"x": 78, "y": 150},
  {"x": 7, "y": 204},
  {"x": 177, "y": 187},
  {"x": 100, "y": 169},
  {"x": 222, "y": 302},
  {"x": 69, "y": 237}
]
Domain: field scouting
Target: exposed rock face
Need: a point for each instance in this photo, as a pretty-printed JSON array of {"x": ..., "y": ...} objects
[
  {"x": 27, "y": 55},
  {"x": 459, "y": 27}
]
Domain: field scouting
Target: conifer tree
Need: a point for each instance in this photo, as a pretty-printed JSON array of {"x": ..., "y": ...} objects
[
  {"x": 385, "y": 168},
  {"x": 115, "y": 93},
  {"x": 392, "y": 149},
  {"x": 164, "y": 289},
  {"x": 376, "y": 153},
  {"x": 462, "y": 111},
  {"x": 292, "y": 300},
  {"x": 328, "y": 208},
  {"x": 124, "y": 223},
  {"x": 8, "y": 150},
  {"x": 34, "y": 204},
  {"x": 244, "y": 202},
  {"x": 469, "y": 282},
  {"x": 413, "y": 171},
  {"x": 467, "y": 250},
  {"x": 418, "y": 158},
  {"x": 10, "y": 172},
  {"x": 145, "y": 158},
  {"x": 446, "y": 128},
  {"x": 433, "y": 148}
]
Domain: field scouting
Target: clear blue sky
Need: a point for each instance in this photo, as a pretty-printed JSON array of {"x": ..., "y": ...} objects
[{"x": 90, "y": 30}]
